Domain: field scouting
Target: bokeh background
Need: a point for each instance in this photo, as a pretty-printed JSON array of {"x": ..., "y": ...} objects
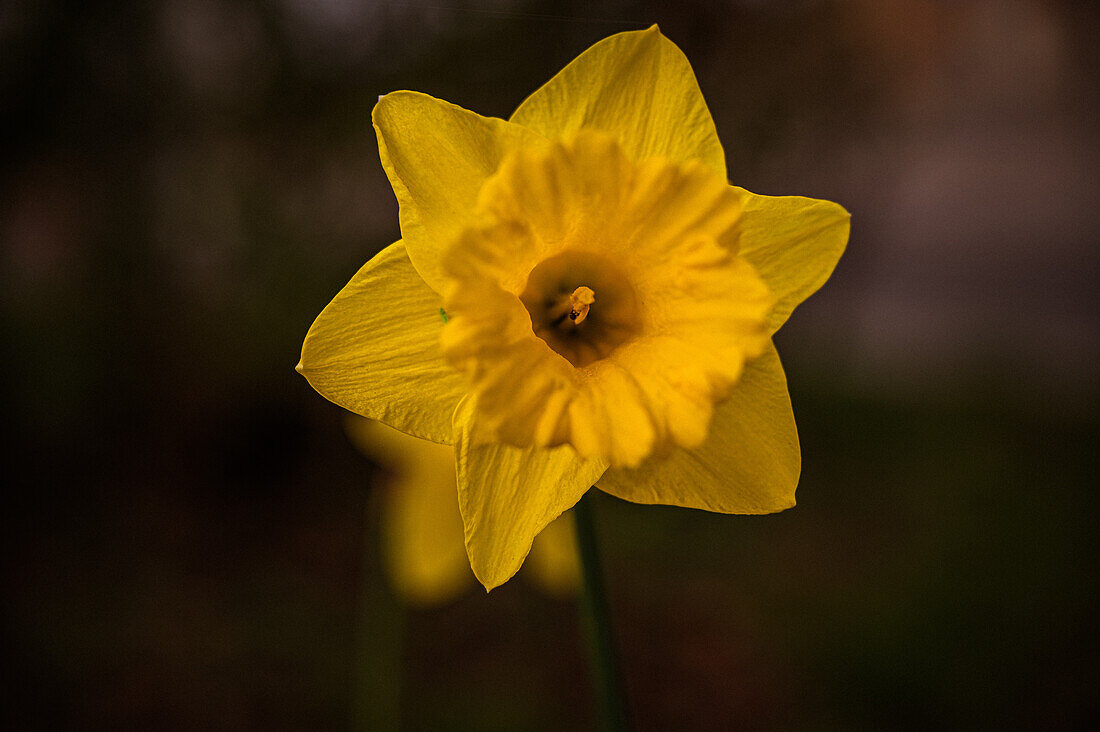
[{"x": 191, "y": 541}]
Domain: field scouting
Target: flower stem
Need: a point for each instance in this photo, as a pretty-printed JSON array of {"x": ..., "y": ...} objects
[
  {"x": 598, "y": 621},
  {"x": 379, "y": 636}
]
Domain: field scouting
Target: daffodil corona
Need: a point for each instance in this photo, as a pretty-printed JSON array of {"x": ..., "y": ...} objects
[
  {"x": 600, "y": 303},
  {"x": 609, "y": 301}
]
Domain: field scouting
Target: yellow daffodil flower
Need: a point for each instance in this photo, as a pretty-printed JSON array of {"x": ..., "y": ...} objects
[
  {"x": 579, "y": 298},
  {"x": 422, "y": 543}
]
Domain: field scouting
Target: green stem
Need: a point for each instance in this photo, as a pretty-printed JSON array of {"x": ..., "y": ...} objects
[
  {"x": 379, "y": 635},
  {"x": 598, "y": 621}
]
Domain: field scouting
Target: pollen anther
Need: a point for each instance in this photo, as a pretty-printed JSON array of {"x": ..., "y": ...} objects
[{"x": 580, "y": 302}]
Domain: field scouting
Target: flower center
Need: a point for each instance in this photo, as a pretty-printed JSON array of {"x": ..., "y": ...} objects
[
  {"x": 561, "y": 299},
  {"x": 580, "y": 302},
  {"x": 568, "y": 312}
]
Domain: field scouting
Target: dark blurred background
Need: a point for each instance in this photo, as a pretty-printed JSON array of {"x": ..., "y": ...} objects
[{"x": 191, "y": 540}]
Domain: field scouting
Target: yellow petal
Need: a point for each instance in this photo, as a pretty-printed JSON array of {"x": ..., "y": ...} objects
[
  {"x": 749, "y": 463},
  {"x": 508, "y": 495},
  {"x": 436, "y": 156},
  {"x": 554, "y": 563},
  {"x": 638, "y": 87},
  {"x": 421, "y": 526},
  {"x": 374, "y": 350},
  {"x": 794, "y": 243}
]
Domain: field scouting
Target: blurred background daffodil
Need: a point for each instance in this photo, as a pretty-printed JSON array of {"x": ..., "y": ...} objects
[{"x": 423, "y": 549}]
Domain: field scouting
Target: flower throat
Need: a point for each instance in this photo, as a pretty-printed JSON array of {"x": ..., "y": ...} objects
[{"x": 562, "y": 302}]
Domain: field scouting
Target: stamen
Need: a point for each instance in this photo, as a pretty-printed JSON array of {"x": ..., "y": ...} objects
[
  {"x": 580, "y": 302},
  {"x": 569, "y": 311}
]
